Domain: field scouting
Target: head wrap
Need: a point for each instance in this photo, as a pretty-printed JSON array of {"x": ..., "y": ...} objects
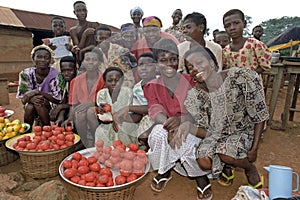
[
  {"x": 136, "y": 9},
  {"x": 127, "y": 27},
  {"x": 151, "y": 21},
  {"x": 45, "y": 47}
]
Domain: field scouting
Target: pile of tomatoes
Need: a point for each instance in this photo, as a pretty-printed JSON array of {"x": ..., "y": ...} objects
[
  {"x": 96, "y": 170},
  {"x": 46, "y": 138}
]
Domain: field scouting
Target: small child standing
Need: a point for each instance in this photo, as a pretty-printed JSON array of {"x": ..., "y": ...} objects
[
  {"x": 222, "y": 38},
  {"x": 243, "y": 52},
  {"x": 118, "y": 97}
]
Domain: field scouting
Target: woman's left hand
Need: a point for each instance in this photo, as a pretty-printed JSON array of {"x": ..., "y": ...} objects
[{"x": 171, "y": 123}]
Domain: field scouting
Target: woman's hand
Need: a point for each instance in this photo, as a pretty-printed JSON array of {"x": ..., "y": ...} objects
[
  {"x": 171, "y": 123},
  {"x": 119, "y": 116},
  {"x": 252, "y": 155}
]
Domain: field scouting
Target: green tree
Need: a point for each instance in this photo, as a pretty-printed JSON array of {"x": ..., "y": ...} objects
[{"x": 274, "y": 27}]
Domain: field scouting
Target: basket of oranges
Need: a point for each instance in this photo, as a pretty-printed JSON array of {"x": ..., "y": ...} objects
[
  {"x": 104, "y": 172},
  {"x": 42, "y": 151}
]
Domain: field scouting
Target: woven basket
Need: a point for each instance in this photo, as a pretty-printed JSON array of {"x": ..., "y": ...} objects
[
  {"x": 42, "y": 165},
  {"x": 7, "y": 156},
  {"x": 78, "y": 192}
]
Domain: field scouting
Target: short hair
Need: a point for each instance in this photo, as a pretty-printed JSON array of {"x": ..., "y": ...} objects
[
  {"x": 233, "y": 12},
  {"x": 257, "y": 26},
  {"x": 197, "y": 18},
  {"x": 70, "y": 59},
  {"x": 222, "y": 32},
  {"x": 103, "y": 28},
  {"x": 57, "y": 17},
  {"x": 77, "y": 2},
  {"x": 206, "y": 52},
  {"x": 146, "y": 55},
  {"x": 112, "y": 68},
  {"x": 164, "y": 45},
  {"x": 176, "y": 11},
  {"x": 94, "y": 50}
]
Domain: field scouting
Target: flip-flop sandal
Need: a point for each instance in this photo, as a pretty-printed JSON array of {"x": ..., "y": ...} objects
[
  {"x": 166, "y": 180},
  {"x": 202, "y": 192},
  {"x": 258, "y": 185},
  {"x": 228, "y": 181}
]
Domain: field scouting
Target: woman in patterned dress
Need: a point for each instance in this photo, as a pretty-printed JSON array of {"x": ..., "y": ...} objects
[{"x": 229, "y": 109}]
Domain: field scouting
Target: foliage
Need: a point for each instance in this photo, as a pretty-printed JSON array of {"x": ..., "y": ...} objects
[{"x": 274, "y": 27}]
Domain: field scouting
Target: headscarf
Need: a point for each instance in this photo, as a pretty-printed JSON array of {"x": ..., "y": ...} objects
[
  {"x": 152, "y": 21},
  {"x": 45, "y": 47},
  {"x": 136, "y": 9}
]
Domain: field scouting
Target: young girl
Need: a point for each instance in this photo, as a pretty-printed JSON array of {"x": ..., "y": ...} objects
[
  {"x": 118, "y": 97},
  {"x": 243, "y": 52},
  {"x": 229, "y": 112},
  {"x": 83, "y": 92},
  {"x": 166, "y": 96},
  {"x": 38, "y": 89}
]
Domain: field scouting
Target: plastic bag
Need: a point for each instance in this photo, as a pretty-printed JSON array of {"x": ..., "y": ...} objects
[{"x": 249, "y": 193}]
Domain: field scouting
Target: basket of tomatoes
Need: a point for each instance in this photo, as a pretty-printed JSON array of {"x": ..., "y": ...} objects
[
  {"x": 104, "y": 172},
  {"x": 42, "y": 151}
]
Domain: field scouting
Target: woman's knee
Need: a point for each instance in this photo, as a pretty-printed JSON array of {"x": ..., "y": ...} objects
[
  {"x": 205, "y": 163},
  {"x": 226, "y": 159},
  {"x": 29, "y": 108}
]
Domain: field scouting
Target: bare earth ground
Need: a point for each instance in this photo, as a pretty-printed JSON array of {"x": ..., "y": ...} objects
[{"x": 277, "y": 147}]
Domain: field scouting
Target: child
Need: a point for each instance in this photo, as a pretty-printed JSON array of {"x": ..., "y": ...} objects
[
  {"x": 257, "y": 32},
  {"x": 83, "y": 92},
  {"x": 38, "y": 89},
  {"x": 60, "y": 43},
  {"x": 222, "y": 38},
  {"x": 138, "y": 112},
  {"x": 68, "y": 71},
  {"x": 118, "y": 97},
  {"x": 243, "y": 52}
]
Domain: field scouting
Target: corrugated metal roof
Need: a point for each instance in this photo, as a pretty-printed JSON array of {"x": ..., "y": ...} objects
[
  {"x": 8, "y": 17},
  {"x": 34, "y": 20}
]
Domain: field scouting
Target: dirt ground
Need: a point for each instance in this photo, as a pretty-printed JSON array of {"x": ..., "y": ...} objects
[{"x": 277, "y": 147}]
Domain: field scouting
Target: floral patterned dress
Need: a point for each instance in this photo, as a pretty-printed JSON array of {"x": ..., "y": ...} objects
[
  {"x": 253, "y": 54},
  {"x": 229, "y": 114}
]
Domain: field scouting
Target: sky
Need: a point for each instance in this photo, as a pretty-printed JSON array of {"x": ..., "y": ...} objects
[{"x": 116, "y": 12}]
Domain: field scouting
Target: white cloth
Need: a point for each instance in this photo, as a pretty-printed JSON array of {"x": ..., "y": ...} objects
[{"x": 163, "y": 158}]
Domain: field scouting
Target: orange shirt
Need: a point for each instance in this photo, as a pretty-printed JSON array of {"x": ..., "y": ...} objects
[{"x": 78, "y": 89}]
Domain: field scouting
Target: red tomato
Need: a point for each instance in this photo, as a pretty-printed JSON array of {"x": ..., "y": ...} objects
[
  {"x": 103, "y": 178},
  {"x": 69, "y": 143},
  {"x": 77, "y": 156},
  {"x": 107, "y": 149},
  {"x": 46, "y": 128},
  {"x": 129, "y": 155},
  {"x": 106, "y": 108},
  {"x": 138, "y": 165},
  {"x": 54, "y": 126},
  {"x": 56, "y": 132},
  {"x": 22, "y": 144},
  {"x": 70, "y": 137},
  {"x": 47, "y": 134},
  {"x": 92, "y": 159},
  {"x": 67, "y": 164},
  {"x": 120, "y": 180},
  {"x": 83, "y": 169},
  {"x": 115, "y": 152},
  {"x": 117, "y": 143},
  {"x": 75, "y": 179},
  {"x": 74, "y": 164},
  {"x": 90, "y": 184},
  {"x": 110, "y": 182},
  {"x": 126, "y": 165},
  {"x": 2, "y": 109},
  {"x": 68, "y": 173},
  {"x": 100, "y": 185},
  {"x": 82, "y": 182},
  {"x": 60, "y": 142},
  {"x": 31, "y": 146},
  {"x": 124, "y": 173},
  {"x": 45, "y": 145},
  {"x": 89, "y": 177},
  {"x": 101, "y": 159},
  {"x": 83, "y": 162},
  {"x": 114, "y": 160},
  {"x": 106, "y": 171},
  {"x": 99, "y": 149},
  {"x": 61, "y": 136},
  {"x": 27, "y": 138},
  {"x": 37, "y": 129},
  {"x": 99, "y": 143},
  {"x": 131, "y": 177},
  {"x": 133, "y": 147},
  {"x": 105, "y": 156},
  {"x": 108, "y": 163},
  {"x": 63, "y": 146},
  {"x": 38, "y": 133},
  {"x": 95, "y": 167},
  {"x": 141, "y": 153},
  {"x": 69, "y": 128}
]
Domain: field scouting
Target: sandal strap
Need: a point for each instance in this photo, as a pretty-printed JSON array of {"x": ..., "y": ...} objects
[
  {"x": 257, "y": 185},
  {"x": 204, "y": 189},
  {"x": 228, "y": 178},
  {"x": 162, "y": 179}
]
